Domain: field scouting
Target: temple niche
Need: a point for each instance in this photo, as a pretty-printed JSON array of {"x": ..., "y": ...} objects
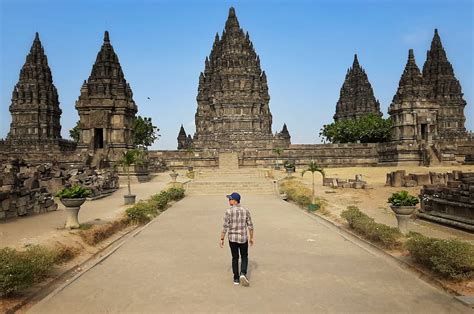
[
  {"x": 233, "y": 100},
  {"x": 356, "y": 97},
  {"x": 106, "y": 107},
  {"x": 35, "y": 106}
]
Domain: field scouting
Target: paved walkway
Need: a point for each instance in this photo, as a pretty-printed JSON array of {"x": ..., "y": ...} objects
[{"x": 297, "y": 265}]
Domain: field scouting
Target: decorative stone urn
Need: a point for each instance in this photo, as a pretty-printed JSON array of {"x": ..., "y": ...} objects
[
  {"x": 403, "y": 214},
  {"x": 129, "y": 199},
  {"x": 173, "y": 176},
  {"x": 73, "y": 205}
]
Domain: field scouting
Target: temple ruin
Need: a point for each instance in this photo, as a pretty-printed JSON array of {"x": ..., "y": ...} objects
[{"x": 357, "y": 96}]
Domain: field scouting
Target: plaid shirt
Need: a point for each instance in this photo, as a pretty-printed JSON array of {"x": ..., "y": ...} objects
[{"x": 236, "y": 221}]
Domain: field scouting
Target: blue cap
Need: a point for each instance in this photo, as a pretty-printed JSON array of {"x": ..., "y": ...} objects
[{"x": 234, "y": 196}]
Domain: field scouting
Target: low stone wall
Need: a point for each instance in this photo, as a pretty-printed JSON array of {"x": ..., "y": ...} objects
[
  {"x": 452, "y": 203},
  {"x": 327, "y": 155},
  {"x": 28, "y": 189}
]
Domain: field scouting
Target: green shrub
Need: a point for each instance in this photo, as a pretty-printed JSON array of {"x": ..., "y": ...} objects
[
  {"x": 20, "y": 270},
  {"x": 367, "y": 227},
  {"x": 449, "y": 258},
  {"x": 75, "y": 191},
  {"x": 402, "y": 198},
  {"x": 161, "y": 200},
  {"x": 141, "y": 213},
  {"x": 175, "y": 193}
]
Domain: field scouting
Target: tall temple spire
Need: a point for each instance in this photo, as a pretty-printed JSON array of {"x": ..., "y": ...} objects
[
  {"x": 413, "y": 115},
  {"x": 233, "y": 101},
  {"x": 445, "y": 89},
  {"x": 356, "y": 97},
  {"x": 106, "y": 106},
  {"x": 411, "y": 82},
  {"x": 35, "y": 104}
]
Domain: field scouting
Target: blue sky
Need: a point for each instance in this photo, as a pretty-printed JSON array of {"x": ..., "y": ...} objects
[{"x": 305, "y": 48}]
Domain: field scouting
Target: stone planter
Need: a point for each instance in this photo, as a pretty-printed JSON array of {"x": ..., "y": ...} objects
[
  {"x": 289, "y": 171},
  {"x": 403, "y": 214},
  {"x": 173, "y": 176},
  {"x": 129, "y": 199},
  {"x": 73, "y": 205}
]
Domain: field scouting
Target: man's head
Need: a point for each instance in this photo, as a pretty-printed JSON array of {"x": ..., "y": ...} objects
[{"x": 234, "y": 198}]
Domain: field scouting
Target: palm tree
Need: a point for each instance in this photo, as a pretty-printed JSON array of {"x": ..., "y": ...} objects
[
  {"x": 314, "y": 167},
  {"x": 131, "y": 157},
  {"x": 277, "y": 151}
]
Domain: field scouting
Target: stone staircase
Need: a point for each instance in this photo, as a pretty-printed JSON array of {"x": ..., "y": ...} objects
[
  {"x": 223, "y": 182},
  {"x": 229, "y": 178}
]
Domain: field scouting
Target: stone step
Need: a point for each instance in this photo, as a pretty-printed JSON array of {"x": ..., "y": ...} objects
[{"x": 225, "y": 187}]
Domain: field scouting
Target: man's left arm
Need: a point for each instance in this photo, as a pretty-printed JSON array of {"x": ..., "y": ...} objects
[{"x": 250, "y": 227}]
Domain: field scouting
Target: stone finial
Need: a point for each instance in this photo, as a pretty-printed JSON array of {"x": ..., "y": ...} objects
[
  {"x": 106, "y": 37},
  {"x": 355, "y": 63},
  {"x": 37, "y": 36},
  {"x": 231, "y": 12}
]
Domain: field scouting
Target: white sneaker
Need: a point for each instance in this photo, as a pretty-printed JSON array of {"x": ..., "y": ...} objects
[{"x": 244, "y": 281}]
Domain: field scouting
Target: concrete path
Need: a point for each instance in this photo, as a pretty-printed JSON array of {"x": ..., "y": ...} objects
[{"x": 297, "y": 265}]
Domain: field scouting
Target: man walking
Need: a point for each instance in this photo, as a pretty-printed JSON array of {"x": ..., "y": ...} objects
[{"x": 236, "y": 222}]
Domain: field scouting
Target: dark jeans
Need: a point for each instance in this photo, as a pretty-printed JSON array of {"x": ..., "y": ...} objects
[{"x": 244, "y": 249}]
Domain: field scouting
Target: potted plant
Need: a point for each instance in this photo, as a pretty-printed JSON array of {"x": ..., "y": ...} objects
[
  {"x": 289, "y": 166},
  {"x": 72, "y": 198},
  {"x": 173, "y": 176},
  {"x": 404, "y": 205},
  {"x": 129, "y": 158},
  {"x": 278, "y": 152}
]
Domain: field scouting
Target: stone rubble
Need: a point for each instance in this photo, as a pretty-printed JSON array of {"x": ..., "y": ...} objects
[
  {"x": 27, "y": 189},
  {"x": 356, "y": 183}
]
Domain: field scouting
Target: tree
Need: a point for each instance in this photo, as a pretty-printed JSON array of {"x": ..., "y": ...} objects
[
  {"x": 74, "y": 133},
  {"x": 144, "y": 132},
  {"x": 314, "y": 167},
  {"x": 131, "y": 157},
  {"x": 367, "y": 129},
  {"x": 277, "y": 151}
]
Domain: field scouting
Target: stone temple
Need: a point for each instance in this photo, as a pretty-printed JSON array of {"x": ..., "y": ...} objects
[
  {"x": 106, "y": 107},
  {"x": 357, "y": 96},
  {"x": 233, "y": 101}
]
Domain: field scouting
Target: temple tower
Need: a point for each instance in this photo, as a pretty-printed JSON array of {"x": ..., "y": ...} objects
[
  {"x": 35, "y": 106},
  {"x": 445, "y": 90},
  {"x": 233, "y": 101},
  {"x": 414, "y": 116},
  {"x": 105, "y": 106},
  {"x": 356, "y": 97}
]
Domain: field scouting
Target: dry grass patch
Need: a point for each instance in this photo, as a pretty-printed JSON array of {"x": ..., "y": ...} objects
[
  {"x": 99, "y": 233},
  {"x": 65, "y": 253}
]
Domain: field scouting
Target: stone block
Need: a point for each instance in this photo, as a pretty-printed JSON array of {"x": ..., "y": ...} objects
[
  {"x": 454, "y": 184},
  {"x": 31, "y": 183},
  {"x": 398, "y": 178},
  {"x": 410, "y": 183},
  {"x": 422, "y": 179}
]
